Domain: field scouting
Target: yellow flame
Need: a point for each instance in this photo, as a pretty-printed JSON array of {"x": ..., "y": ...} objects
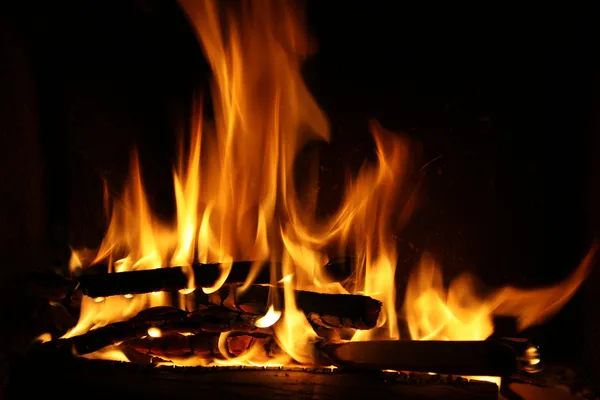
[
  {"x": 43, "y": 338},
  {"x": 154, "y": 332},
  {"x": 268, "y": 319},
  {"x": 458, "y": 313},
  {"x": 107, "y": 353},
  {"x": 287, "y": 278},
  {"x": 75, "y": 261},
  {"x": 237, "y": 199}
]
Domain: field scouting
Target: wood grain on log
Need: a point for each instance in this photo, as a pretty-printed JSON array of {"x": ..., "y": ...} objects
[
  {"x": 105, "y": 379},
  {"x": 206, "y": 346},
  {"x": 326, "y": 310},
  {"x": 166, "y": 319},
  {"x": 205, "y": 275}
]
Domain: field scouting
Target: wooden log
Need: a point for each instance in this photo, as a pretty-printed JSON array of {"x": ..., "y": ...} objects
[
  {"x": 473, "y": 358},
  {"x": 217, "y": 319},
  {"x": 326, "y": 310},
  {"x": 205, "y": 275},
  {"x": 105, "y": 379},
  {"x": 166, "y": 319},
  {"x": 86, "y": 343},
  {"x": 160, "y": 317},
  {"x": 206, "y": 346}
]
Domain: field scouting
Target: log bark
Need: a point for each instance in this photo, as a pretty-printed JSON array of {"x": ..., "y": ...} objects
[
  {"x": 167, "y": 319},
  {"x": 206, "y": 346},
  {"x": 473, "y": 358},
  {"x": 105, "y": 379},
  {"x": 326, "y": 310},
  {"x": 205, "y": 276}
]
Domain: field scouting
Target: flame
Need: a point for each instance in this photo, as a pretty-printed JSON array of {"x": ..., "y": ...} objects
[
  {"x": 268, "y": 319},
  {"x": 108, "y": 353},
  {"x": 458, "y": 313},
  {"x": 43, "y": 338},
  {"x": 236, "y": 199},
  {"x": 154, "y": 332}
]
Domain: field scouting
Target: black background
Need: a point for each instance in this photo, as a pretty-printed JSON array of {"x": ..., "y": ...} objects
[{"x": 504, "y": 99}]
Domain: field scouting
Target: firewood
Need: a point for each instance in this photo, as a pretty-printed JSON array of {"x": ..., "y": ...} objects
[
  {"x": 166, "y": 319},
  {"x": 205, "y": 275},
  {"x": 475, "y": 358},
  {"x": 326, "y": 310},
  {"x": 105, "y": 379},
  {"x": 205, "y": 345},
  {"x": 218, "y": 319}
]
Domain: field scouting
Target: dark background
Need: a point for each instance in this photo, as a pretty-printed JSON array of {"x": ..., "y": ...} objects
[{"x": 504, "y": 99}]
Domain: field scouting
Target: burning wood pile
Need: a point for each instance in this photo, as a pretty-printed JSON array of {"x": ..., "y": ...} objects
[
  {"x": 246, "y": 317},
  {"x": 228, "y": 324},
  {"x": 225, "y": 326},
  {"x": 177, "y": 292}
]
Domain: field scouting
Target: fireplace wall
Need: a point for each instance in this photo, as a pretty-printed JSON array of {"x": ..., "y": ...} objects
[
  {"x": 22, "y": 214},
  {"x": 503, "y": 102}
]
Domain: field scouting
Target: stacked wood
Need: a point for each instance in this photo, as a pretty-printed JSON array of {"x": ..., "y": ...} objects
[
  {"x": 179, "y": 334},
  {"x": 325, "y": 310},
  {"x": 183, "y": 335},
  {"x": 205, "y": 276},
  {"x": 167, "y": 320}
]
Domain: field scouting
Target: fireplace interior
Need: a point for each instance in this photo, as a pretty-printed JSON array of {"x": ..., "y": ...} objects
[{"x": 361, "y": 199}]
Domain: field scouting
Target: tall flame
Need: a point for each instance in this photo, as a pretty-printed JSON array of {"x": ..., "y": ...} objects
[{"x": 237, "y": 200}]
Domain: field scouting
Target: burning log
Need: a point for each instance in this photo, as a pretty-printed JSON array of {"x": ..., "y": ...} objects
[
  {"x": 206, "y": 346},
  {"x": 326, "y": 310},
  {"x": 205, "y": 275},
  {"x": 96, "y": 339},
  {"x": 475, "y": 358},
  {"x": 162, "y": 320},
  {"x": 217, "y": 320}
]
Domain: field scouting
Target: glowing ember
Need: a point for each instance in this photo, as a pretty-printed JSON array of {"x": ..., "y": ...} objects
[{"x": 237, "y": 200}]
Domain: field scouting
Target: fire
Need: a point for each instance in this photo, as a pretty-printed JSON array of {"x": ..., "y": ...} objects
[
  {"x": 154, "y": 332},
  {"x": 236, "y": 199},
  {"x": 269, "y": 318},
  {"x": 458, "y": 313}
]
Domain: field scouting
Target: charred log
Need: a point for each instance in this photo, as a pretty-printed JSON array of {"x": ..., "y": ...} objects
[
  {"x": 217, "y": 320},
  {"x": 325, "y": 310},
  {"x": 477, "y": 358},
  {"x": 205, "y": 275},
  {"x": 167, "y": 320}
]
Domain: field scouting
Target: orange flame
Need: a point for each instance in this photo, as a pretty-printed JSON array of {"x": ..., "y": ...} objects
[
  {"x": 458, "y": 313},
  {"x": 237, "y": 200}
]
